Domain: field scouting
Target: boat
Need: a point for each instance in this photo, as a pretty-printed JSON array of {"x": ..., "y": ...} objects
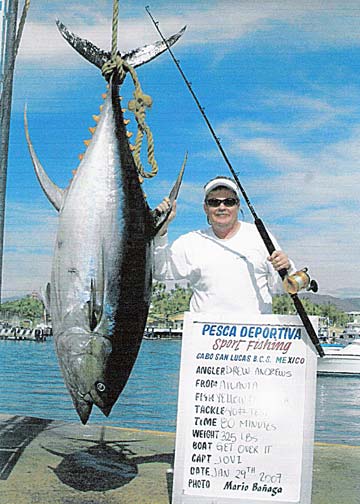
[
  {"x": 351, "y": 332},
  {"x": 340, "y": 359}
]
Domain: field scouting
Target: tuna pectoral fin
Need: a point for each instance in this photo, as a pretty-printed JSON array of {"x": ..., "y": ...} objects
[
  {"x": 45, "y": 296},
  {"x": 94, "y": 306},
  {"x": 175, "y": 190},
  {"x": 53, "y": 192},
  {"x": 158, "y": 217}
]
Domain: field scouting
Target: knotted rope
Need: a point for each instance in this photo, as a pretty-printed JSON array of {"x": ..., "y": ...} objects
[{"x": 138, "y": 105}]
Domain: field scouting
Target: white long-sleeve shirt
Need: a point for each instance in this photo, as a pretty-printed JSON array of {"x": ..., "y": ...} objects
[{"x": 231, "y": 275}]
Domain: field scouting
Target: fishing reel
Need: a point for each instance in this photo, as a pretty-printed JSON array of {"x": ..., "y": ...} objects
[{"x": 300, "y": 280}]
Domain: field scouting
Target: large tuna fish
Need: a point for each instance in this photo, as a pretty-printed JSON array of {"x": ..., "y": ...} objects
[{"x": 102, "y": 265}]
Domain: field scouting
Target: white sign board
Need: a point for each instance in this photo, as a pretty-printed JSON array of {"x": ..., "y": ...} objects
[{"x": 245, "y": 427}]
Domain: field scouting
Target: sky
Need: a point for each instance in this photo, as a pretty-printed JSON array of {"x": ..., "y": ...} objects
[{"x": 280, "y": 84}]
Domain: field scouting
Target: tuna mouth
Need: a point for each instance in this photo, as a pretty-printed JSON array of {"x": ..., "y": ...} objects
[
  {"x": 97, "y": 395},
  {"x": 84, "y": 403},
  {"x": 83, "y": 408}
]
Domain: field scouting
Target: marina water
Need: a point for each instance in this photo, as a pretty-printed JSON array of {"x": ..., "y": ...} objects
[{"x": 32, "y": 385}]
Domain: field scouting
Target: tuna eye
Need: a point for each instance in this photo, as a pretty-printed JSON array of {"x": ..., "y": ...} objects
[{"x": 100, "y": 387}]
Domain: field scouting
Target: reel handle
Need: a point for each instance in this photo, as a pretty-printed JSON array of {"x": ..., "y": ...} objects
[{"x": 313, "y": 286}]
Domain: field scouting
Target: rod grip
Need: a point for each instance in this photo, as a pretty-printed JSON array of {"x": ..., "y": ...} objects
[{"x": 268, "y": 242}]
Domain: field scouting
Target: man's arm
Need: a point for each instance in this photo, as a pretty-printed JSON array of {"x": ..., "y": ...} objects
[
  {"x": 171, "y": 262},
  {"x": 279, "y": 260}
]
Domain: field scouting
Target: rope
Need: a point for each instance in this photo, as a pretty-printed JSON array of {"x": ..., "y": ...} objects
[
  {"x": 115, "y": 62},
  {"x": 114, "y": 28},
  {"x": 138, "y": 105}
]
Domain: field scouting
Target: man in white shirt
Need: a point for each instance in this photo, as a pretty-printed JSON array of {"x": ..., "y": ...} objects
[{"x": 227, "y": 264}]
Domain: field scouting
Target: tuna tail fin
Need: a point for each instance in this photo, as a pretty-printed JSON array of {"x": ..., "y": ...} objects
[
  {"x": 98, "y": 57},
  {"x": 54, "y": 194},
  {"x": 158, "y": 217}
]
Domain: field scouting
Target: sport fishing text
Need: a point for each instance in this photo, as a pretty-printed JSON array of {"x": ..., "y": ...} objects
[
  {"x": 260, "y": 337},
  {"x": 252, "y": 331}
]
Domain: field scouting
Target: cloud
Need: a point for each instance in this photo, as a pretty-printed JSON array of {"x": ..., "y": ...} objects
[
  {"x": 300, "y": 180},
  {"x": 222, "y": 23},
  {"x": 42, "y": 44},
  {"x": 328, "y": 245},
  {"x": 318, "y": 108},
  {"x": 308, "y": 195},
  {"x": 273, "y": 153},
  {"x": 296, "y": 137},
  {"x": 295, "y": 114}
]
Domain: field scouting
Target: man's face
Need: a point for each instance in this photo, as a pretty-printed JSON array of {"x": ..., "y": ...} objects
[{"x": 222, "y": 216}]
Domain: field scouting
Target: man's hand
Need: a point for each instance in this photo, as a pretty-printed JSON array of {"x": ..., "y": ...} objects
[
  {"x": 279, "y": 260},
  {"x": 163, "y": 208}
]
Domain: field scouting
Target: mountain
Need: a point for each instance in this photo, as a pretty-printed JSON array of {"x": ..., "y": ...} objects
[{"x": 346, "y": 304}]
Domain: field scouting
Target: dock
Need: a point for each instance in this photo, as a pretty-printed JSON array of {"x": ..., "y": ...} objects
[
  {"x": 44, "y": 461},
  {"x": 162, "y": 333},
  {"x": 10, "y": 333}
]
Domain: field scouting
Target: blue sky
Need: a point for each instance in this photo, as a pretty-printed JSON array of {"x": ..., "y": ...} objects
[{"x": 280, "y": 83}]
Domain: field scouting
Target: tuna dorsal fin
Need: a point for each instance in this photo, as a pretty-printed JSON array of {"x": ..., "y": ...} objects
[
  {"x": 53, "y": 192},
  {"x": 98, "y": 57},
  {"x": 160, "y": 218}
]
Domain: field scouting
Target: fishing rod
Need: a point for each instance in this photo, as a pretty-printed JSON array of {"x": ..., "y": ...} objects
[{"x": 300, "y": 278}]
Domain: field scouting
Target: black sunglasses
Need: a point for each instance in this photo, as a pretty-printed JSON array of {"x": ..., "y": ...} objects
[{"x": 216, "y": 202}]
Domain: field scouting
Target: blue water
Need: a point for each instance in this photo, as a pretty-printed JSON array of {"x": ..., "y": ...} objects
[{"x": 31, "y": 385}]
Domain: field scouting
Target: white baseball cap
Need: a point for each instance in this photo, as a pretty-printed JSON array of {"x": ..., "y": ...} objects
[{"x": 223, "y": 182}]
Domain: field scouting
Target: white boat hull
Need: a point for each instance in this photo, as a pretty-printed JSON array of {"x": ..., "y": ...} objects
[{"x": 340, "y": 361}]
